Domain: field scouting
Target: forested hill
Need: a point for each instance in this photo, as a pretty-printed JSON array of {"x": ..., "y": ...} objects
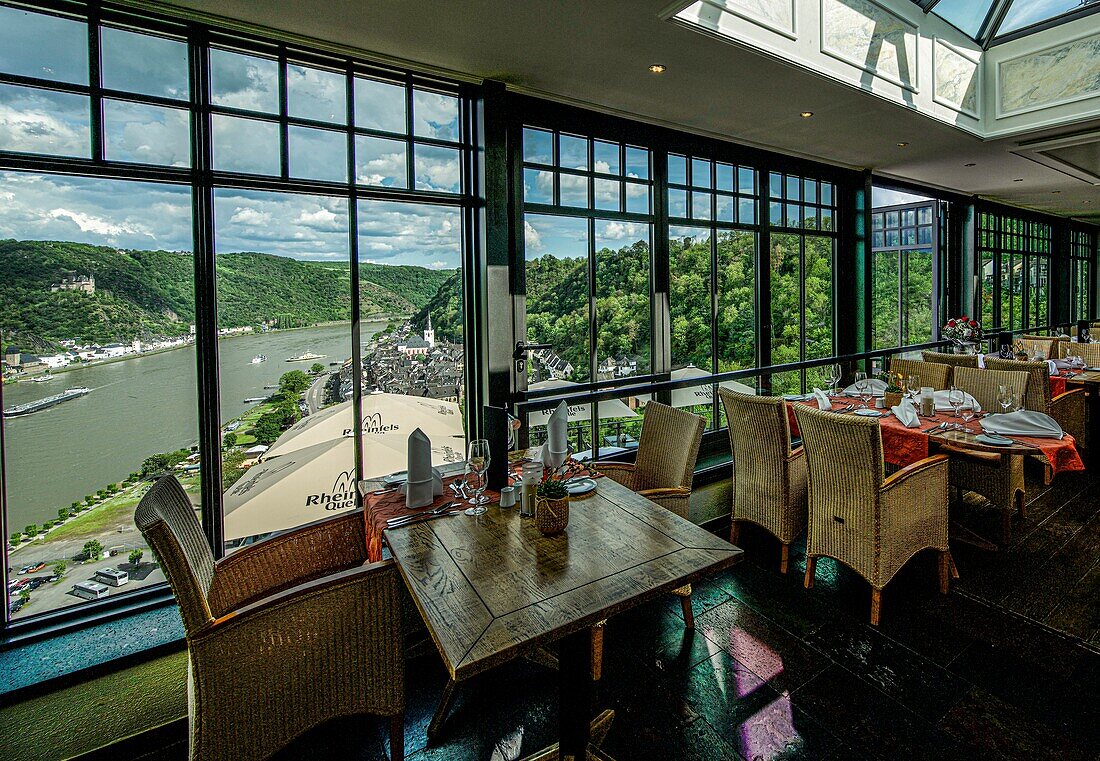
[{"x": 150, "y": 293}]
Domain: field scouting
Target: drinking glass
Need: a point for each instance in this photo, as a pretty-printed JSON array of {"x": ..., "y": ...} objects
[
  {"x": 1004, "y": 397},
  {"x": 955, "y": 397},
  {"x": 1017, "y": 402},
  {"x": 834, "y": 375},
  {"x": 863, "y": 387},
  {"x": 912, "y": 385},
  {"x": 967, "y": 412},
  {"x": 478, "y": 463}
]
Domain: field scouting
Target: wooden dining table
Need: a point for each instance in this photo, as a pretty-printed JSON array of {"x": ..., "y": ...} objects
[
  {"x": 1089, "y": 380},
  {"x": 491, "y": 588}
]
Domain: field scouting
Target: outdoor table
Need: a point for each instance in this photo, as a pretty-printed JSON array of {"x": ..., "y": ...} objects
[
  {"x": 491, "y": 588},
  {"x": 1090, "y": 381}
]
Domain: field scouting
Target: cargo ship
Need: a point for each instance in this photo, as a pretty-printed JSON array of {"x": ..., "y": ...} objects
[
  {"x": 44, "y": 404},
  {"x": 305, "y": 357}
]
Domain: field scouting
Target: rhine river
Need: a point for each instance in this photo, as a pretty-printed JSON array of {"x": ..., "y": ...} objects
[{"x": 137, "y": 407}]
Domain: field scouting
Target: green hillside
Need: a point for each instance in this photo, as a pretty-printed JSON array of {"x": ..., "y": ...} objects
[{"x": 150, "y": 293}]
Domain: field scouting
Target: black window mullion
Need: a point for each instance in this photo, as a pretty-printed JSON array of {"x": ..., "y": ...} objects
[
  {"x": 353, "y": 266},
  {"x": 95, "y": 85},
  {"x": 410, "y": 142},
  {"x": 284, "y": 113}
]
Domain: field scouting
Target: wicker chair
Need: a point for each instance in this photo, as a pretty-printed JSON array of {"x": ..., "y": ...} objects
[
  {"x": 1067, "y": 408},
  {"x": 1042, "y": 345},
  {"x": 998, "y": 479},
  {"x": 1089, "y": 352},
  {"x": 769, "y": 480},
  {"x": 282, "y": 635},
  {"x": 663, "y": 471},
  {"x": 871, "y": 524},
  {"x": 955, "y": 360},
  {"x": 1056, "y": 347},
  {"x": 934, "y": 374}
]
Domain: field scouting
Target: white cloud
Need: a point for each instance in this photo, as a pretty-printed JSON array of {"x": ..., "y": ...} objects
[
  {"x": 437, "y": 265},
  {"x": 249, "y": 216},
  {"x": 531, "y": 237},
  {"x": 322, "y": 219}
]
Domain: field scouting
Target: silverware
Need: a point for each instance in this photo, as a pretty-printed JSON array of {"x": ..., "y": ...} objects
[
  {"x": 385, "y": 491},
  {"x": 413, "y": 516},
  {"x": 423, "y": 518},
  {"x": 935, "y": 427}
]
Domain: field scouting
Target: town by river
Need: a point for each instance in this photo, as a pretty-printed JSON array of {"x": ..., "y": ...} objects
[{"x": 137, "y": 407}]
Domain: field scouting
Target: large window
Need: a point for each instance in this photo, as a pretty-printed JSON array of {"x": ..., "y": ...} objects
[
  {"x": 1082, "y": 248},
  {"x": 1014, "y": 255},
  {"x": 903, "y": 251},
  {"x": 334, "y": 227}
]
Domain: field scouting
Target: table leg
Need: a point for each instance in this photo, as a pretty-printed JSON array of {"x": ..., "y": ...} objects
[
  {"x": 1092, "y": 450},
  {"x": 574, "y": 694}
]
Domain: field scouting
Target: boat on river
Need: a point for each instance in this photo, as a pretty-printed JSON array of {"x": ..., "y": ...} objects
[
  {"x": 308, "y": 356},
  {"x": 44, "y": 404},
  {"x": 259, "y": 358},
  {"x": 42, "y": 378}
]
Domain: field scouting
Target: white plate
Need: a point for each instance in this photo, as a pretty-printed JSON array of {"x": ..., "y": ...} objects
[
  {"x": 868, "y": 413},
  {"x": 794, "y": 397},
  {"x": 993, "y": 440},
  {"x": 580, "y": 486}
]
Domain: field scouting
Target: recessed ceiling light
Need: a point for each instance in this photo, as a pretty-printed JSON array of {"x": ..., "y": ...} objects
[
  {"x": 806, "y": 114},
  {"x": 1019, "y": 179},
  {"x": 970, "y": 164},
  {"x": 658, "y": 68},
  {"x": 903, "y": 145}
]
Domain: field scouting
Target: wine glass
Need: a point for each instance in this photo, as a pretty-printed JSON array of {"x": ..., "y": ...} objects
[
  {"x": 478, "y": 463},
  {"x": 834, "y": 375},
  {"x": 863, "y": 387},
  {"x": 1004, "y": 397},
  {"x": 912, "y": 384},
  {"x": 956, "y": 397}
]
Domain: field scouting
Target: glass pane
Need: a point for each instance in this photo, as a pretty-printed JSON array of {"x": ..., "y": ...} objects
[
  {"x": 538, "y": 146},
  {"x": 380, "y": 105},
  {"x": 924, "y": 215},
  {"x": 775, "y": 181},
  {"x": 775, "y": 212},
  {"x": 919, "y": 320},
  {"x": 538, "y": 186},
  {"x": 95, "y": 269},
  {"x": 724, "y": 211},
  {"x": 637, "y": 163},
  {"x": 876, "y": 240},
  {"x": 619, "y": 431},
  {"x": 794, "y": 189},
  {"x": 318, "y": 154},
  {"x": 574, "y": 190},
  {"x": 746, "y": 180},
  {"x": 637, "y": 198},
  {"x": 245, "y": 145},
  {"x": 606, "y": 157},
  {"x": 40, "y": 121},
  {"x": 677, "y": 202},
  {"x": 677, "y": 169},
  {"x": 893, "y": 238},
  {"x": 1023, "y": 13},
  {"x": 885, "y": 308},
  {"x": 572, "y": 152},
  {"x": 438, "y": 169},
  {"x": 622, "y": 299},
  {"x": 689, "y": 296},
  {"x": 827, "y": 193},
  {"x": 59, "y": 52},
  {"x": 966, "y": 15},
  {"x": 924, "y": 235},
  {"x": 700, "y": 173},
  {"x": 794, "y": 215},
  {"x": 144, "y": 64},
  {"x": 244, "y": 81},
  {"x": 556, "y": 254},
  {"x": 316, "y": 94},
  {"x": 607, "y": 194},
  {"x": 826, "y": 219},
  {"x": 892, "y": 219},
  {"x": 746, "y": 211},
  {"x": 380, "y": 161},
  {"x": 736, "y": 337},
  {"x": 700, "y": 205},
  {"x": 877, "y": 221},
  {"x": 987, "y": 289},
  {"x": 723, "y": 176},
  {"x": 819, "y": 297},
  {"x": 809, "y": 191},
  {"x": 146, "y": 134},
  {"x": 786, "y": 307},
  {"x": 435, "y": 115}
]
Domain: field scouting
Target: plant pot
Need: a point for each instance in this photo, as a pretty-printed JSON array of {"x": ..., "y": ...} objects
[
  {"x": 551, "y": 515},
  {"x": 1021, "y": 356},
  {"x": 892, "y": 399}
]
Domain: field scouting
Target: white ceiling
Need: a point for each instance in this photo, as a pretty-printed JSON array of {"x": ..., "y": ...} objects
[{"x": 595, "y": 53}]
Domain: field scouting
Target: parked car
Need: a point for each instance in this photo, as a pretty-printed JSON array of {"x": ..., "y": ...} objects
[
  {"x": 15, "y": 586},
  {"x": 36, "y": 583},
  {"x": 14, "y": 606},
  {"x": 24, "y": 569},
  {"x": 36, "y": 568}
]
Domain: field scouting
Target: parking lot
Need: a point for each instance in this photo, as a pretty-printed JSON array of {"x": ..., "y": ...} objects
[{"x": 50, "y": 595}]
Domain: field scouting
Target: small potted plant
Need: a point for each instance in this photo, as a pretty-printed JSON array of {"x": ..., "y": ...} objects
[
  {"x": 964, "y": 333},
  {"x": 894, "y": 390},
  {"x": 552, "y": 499},
  {"x": 1019, "y": 351}
]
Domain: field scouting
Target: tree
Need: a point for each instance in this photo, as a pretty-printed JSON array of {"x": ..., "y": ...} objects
[
  {"x": 16, "y": 538},
  {"x": 92, "y": 549},
  {"x": 135, "y": 557},
  {"x": 25, "y": 595},
  {"x": 74, "y": 506},
  {"x": 62, "y": 513},
  {"x": 31, "y": 530},
  {"x": 59, "y": 568},
  {"x": 229, "y": 440},
  {"x": 294, "y": 382},
  {"x": 153, "y": 464},
  {"x": 317, "y": 368}
]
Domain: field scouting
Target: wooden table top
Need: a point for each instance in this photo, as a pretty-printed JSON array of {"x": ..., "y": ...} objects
[
  {"x": 492, "y": 587},
  {"x": 970, "y": 441},
  {"x": 1085, "y": 377}
]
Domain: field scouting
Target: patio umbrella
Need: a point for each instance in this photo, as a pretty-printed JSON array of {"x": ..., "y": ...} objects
[
  {"x": 613, "y": 408},
  {"x": 315, "y": 482},
  {"x": 385, "y": 417},
  {"x": 697, "y": 395}
]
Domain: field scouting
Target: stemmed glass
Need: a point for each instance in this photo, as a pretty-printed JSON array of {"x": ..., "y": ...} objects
[
  {"x": 478, "y": 463},
  {"x": 1004, "y": 398},
  {"x": 956, "y": 397},
  {"x": 834, "y": 375},
  {"x": 863, "y": 387},
  {"x": 967, "y": 412},
  {"x": 912, "y": 384}
]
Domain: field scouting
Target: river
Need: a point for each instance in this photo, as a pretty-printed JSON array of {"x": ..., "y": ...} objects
[{"x": 137, "y": 407}]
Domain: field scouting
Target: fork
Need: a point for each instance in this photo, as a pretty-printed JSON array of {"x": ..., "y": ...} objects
[{"x": 392, "y": 522}]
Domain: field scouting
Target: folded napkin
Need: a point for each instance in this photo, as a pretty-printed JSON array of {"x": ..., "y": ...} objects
[
  {"x": 1023, "y": 423},
  {"x": 1052, "y": 366},
  {"x": 423, "y": 484},
  {"x": 981, "y": 361},
  {"x": 823, "y": 402},
  {"x": 944, "y": 405},
  {"x": 556, "y": 450},
  {"x": 878, "y": 388},
  {"x": 906, "y": 415},
  {"x": 1066, "y": 364}
]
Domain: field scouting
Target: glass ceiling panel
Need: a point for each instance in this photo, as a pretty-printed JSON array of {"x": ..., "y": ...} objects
[
  {"x": 966, "y": 15},
  {"x": 1027, "y": 12}
]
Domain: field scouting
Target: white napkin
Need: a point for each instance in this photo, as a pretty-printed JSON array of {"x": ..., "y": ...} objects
[
  {"x": 823, "y": 402},
  {"x": 878, "y": 388},
  {"x": 906, "y": 415},
  {"x": 423, "y": 484},
  {"x": 981, "y": 361},
  {"x": 557, "y": 437},
  {"x": 1052, "y": 366},
  {"x": 943, "y": 403},
  {"x": 1023, "y": 423}
]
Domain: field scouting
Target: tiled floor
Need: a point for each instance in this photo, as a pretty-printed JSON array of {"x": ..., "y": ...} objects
[{"x": 776, "y": 671}]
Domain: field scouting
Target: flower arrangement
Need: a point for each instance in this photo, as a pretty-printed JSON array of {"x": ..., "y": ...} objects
[
  {"x": 553, "y": 481},
  {"x": 962, "y": 330}
]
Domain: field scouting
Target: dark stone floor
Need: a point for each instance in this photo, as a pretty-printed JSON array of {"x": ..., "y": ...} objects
[{"x": 999, "y": 668}]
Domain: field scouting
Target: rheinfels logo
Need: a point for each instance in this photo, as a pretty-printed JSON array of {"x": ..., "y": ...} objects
[
  {"x": 340, "y": 497},
  {"x": 373, "y": 424}
]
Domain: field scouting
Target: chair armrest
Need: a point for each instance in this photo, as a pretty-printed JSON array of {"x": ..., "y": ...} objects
[
  {"x": 972, "y": 455},
  {"x": 671, "y": 491},
  {"x": 621, "y": 472},
  {"x": 800, "y": 451},
  {"x": 927, "y": 467},
  {"x": 913, "y": 509},
  {"x": 309, "y": 552}
]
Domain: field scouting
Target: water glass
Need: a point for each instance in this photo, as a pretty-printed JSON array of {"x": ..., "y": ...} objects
[
  {"x": 956, "y": 397},
  {"x": 1004, "y": 397},
  {"x": 862, "y": 387},
  {"x": 478, "y": 463},
  {"x": 912, "y": 385},
  {"x": 835, "y": 373},
  {"x": 966, "y": 410}
]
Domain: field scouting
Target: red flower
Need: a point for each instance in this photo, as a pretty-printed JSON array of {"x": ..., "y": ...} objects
[
  {"x": 950, "y": 323},
  {"x": 974, "y": 324},
  {"x": 964, "y": 318}
]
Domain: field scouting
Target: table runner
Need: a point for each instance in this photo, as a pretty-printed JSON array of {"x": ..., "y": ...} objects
[{"x": 903, "y": 446}]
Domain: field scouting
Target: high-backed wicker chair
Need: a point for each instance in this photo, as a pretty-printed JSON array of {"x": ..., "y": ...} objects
[
  {"x": 1089, "y": 352},
  {"x": 1056, "y": 347},
  {"x": 998, "y": 479},
  {"x": 955, "y": 360},
  {"x": 1043, "y": 345},
  {"x": 769, "y": 480},
  {"x": 667, "y": 450},
  {"x": 1067, "y": 408},
  {"x": 872, "y": 524},
  {"x": 282, "y": 635},
  {"x": 932, "y": 374}
]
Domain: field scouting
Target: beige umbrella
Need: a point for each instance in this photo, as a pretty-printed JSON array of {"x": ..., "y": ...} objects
[
  {"x": 315, "y": 482},
  {"x": 385, "y": 417},
  {"x": 698, "y": 395},
  {"x": 613, "y": 408}
]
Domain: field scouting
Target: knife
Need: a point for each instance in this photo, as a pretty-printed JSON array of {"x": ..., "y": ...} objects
[{"x": 411, "y": 520}]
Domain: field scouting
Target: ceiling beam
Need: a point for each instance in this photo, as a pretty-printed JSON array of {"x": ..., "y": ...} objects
[
  {"x": 926, "y": 5},
  {"x": 992, "y": 22}
]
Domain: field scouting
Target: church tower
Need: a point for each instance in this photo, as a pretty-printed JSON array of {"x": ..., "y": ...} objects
[{"x": 429, "y": 334}]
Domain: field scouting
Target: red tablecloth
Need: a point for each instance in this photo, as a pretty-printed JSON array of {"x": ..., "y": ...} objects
[
  {"x": 1057, "y": 386},
  {"x": 903, "y": 446}
]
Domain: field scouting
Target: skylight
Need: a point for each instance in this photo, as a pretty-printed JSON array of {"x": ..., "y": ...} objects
[
  {"x": 1027, "y": 12},
  {"x": 987, "y": 20}
]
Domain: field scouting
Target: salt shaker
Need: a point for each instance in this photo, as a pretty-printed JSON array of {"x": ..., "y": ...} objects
[{"x": 927, "y": 401}]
